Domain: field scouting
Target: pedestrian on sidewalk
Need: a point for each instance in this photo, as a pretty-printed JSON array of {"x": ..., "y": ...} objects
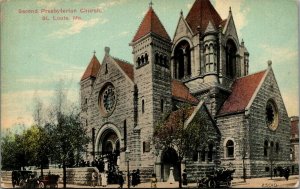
[
  {"x": 104, "y": 179},
  {"x": 153, "y": 181},
  {"x": 94, "y": 178},
  {"x": 184, "y": 178},
  {"x": 121, "y": 179}
]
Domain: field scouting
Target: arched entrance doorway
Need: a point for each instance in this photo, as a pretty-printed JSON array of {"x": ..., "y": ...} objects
[
  {"x": 110, "y": 142},
  {"x": 169, "y": 158}
]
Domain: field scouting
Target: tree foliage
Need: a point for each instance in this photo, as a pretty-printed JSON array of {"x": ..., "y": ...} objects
[
  {"x": 58, "y": 136},
  {"x": 173, "y": 132},
  {"x": 176, "y": 131}
]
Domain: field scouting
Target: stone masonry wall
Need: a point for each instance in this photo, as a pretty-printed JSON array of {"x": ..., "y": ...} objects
[
  {"x": 235, "y": 128},
  {"x": 259, "y": 131},
  {"x": 123, "y": 110}
]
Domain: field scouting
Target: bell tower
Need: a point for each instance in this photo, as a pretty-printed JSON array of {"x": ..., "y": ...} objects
[{"x": 151, "y": 49}]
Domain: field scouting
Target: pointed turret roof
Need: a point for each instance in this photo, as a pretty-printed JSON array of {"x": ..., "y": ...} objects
[
  {"x": 201, "y": 13},
  {"x": 92, "y": 69},
  {"x": 151, "y": 24}
]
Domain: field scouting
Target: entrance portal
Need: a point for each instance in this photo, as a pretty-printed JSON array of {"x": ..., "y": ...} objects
[{"x": 169, "y": 159}]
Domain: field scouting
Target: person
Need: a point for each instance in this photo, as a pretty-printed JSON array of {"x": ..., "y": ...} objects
[
  {"x": 275, "y": 172},
  {"x": 94, "y": 178},
  {"x": 287, "y": 173},
  {"x": 133, "y": 180},
  {"x": 104, "y": 179},
  {"x": 14, "y": 178},
  {"x": 138, "y": 179},
  {"x": 184, "y": 178},
  {"x": 153, "y": 181},
  {"x": 121, "y": 179}
]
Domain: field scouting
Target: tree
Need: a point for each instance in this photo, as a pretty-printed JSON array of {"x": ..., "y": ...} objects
[
  {"x": 173, "y": 132},
  {"x": 69, "y": 135},
  {"x": 11, "y": 151}
]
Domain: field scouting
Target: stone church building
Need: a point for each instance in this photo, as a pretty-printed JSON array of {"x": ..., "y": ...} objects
[{"x": 205, "y": 65}]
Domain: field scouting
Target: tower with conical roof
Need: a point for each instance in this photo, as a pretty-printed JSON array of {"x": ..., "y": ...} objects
[
  {"x": 207, "y": 55},
  {"x": 86, "y": 85},
  {"x": 151, "y": 49}
]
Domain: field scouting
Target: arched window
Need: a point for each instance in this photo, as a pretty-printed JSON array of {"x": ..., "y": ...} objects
[
  {"x": 162, "y": 105},
  {"x": 143, "y": 106},
  {"x": 291, "y": 154},
  {"x": 203, "y": 154},
  {"x": 230, "y": 148},
  {"x": 195, "y": 155},
  {"x": 277, "y": 147},
  {"x": 165, "y": 61},
  {"x": 210, "y": 152},
  {"x": 146, "y": 58},
  {"x": 230, "y": 58},
  {"x": 138, "y": 61},
  {"x": 106, "y": 70},
  {"x": 156, "y": 58},
  {"x": 143, "y": 59},
  {"x": 182, "y": 60},
  {"x": 266, "y": 148},
  {"x": 206, "y": 58},
  {"x": 161, "y": 59}
]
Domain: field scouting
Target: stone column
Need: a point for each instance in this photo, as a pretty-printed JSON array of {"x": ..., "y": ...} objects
[
  {"x": 185, "y": 60},
  {"x": 177, "y": 68}
]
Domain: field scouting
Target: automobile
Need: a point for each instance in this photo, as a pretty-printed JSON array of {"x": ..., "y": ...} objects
[{"x": 24, "y": 179}]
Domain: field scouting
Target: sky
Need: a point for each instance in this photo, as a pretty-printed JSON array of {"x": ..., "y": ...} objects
[{"x": 37, "y": 53}]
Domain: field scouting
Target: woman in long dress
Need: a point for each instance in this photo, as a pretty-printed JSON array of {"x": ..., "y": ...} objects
[{"x": 104, "y": 179}]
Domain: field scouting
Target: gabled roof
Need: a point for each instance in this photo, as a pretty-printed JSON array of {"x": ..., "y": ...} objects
[
  {"x": 182, "y": 93},
  {"x": 242, "y": 91},
  {"x": 126, "y": 67},
  {"x": 151, "y": 24},
  {"x": 178, "y": 116},
  {"x": 200, "y": 14},
  {"x": 92, "y": 69}
]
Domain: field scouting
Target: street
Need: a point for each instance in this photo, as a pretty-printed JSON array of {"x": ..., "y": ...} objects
[{"x": 278, "y": 182}]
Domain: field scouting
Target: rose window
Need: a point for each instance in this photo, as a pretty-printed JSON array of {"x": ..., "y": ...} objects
[{"x": 107, "y": 100}]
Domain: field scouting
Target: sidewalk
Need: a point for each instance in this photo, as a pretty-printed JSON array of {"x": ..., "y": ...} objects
[{"x": 266, "y": 182}]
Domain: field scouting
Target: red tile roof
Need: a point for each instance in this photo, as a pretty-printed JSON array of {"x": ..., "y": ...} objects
[
  {"x": 151, "y": 24},
  {"x": 182, "y": 93},
  {"x": 200, "y": 14},
  {"x": 242, "y": 91},
  {"x": 295, "y": 127},
  {"x": 174, "y": 121},
  {"x": 92, "y": 69},
  {"x": 126, "y": 67}
]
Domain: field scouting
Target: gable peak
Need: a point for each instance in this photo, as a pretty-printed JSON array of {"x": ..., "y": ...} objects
[
  {"x": 92, "y": 69},
  {"x": 151, "y": 24},
  {"x": 201, "y": 13}
]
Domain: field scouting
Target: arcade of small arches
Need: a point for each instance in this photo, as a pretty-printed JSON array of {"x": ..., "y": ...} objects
[{"x": 182, "y": 59}]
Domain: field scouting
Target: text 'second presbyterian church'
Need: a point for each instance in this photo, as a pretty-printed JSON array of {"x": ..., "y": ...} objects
[{"x": 206, "y": 66}]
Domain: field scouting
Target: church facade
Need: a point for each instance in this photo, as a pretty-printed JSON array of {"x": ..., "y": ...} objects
[{"x": 204, "y": 66}]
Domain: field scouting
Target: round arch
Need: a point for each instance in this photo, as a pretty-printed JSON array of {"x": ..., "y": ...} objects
[
  {"x": 102, "y": 133},
  {"x": 178, "y": 41}
]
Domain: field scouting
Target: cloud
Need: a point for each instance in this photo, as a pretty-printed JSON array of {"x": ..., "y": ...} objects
[
  {"x": 17, "y": 107},
  {"x": 189, "y": 5},
  {"x": 238, "y": 10},
  {"x": 279, "y": 54},
  {"x": 289, "y": 101},
  {"x": 124, "y": 33},
  {"x": 47, "y": 4},
  {"x": 111, "y": 3},
  {"x": 77, "y": 26}
]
